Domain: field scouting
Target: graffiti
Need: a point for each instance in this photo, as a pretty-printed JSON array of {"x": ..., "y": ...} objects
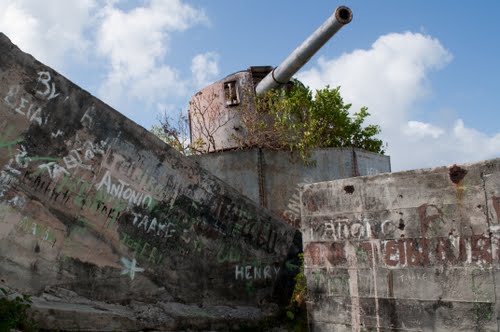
[
  {"x": 142, "y": 248},
  {"x": 173, "y": 225},
  {"x": 8, "y": 174},
  {"x": 130, "y": 268},
  {"x": 23, "y": 105},
  {"x": 159, "y": 229},
  {"x": 87, "y": 119},
  {"x": 292, "y": 213},
  {"x": 407, "y": 277},
  {"x": 42, "y": 232},
  {"x": 341, "y": 230},
  {"x": 244, "y": 225},
  {"x": 56, "y": 135},
  {"x": 249, "y": 272},
  {"x": 179, "y": 221},
  {"x": 17, "y": 201},
  {"x": 6, "y": 179},
  {"x": 69, "y": 189},
  {"x": 432, "y": 223},
  {"x": 54, "y": 169},
  {"x": 229, "y": 253},
  {"x": 122, "y": 190},
  {"x": 344, "y": 229},
  {"x": 476, "y": 249},
  {"x": 20, "y": 160},
  {"x": 82, "y": 153},
  {"x": 187, "y": 223},
  {"x": 50, "y": 90},
  {"x": 89, "y": 151},
  {"x": 258, "y": 233},
  {"x": 141, "y": 178},
  {"x": 6, "y": 142}
]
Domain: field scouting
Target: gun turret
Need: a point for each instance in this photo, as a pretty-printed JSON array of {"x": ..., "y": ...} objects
[
  {"x": 215, "y": 112},
  {"x": 298, "y": 58}
]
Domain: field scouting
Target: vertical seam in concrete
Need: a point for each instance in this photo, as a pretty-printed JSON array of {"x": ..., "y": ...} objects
[
  {"x": 490, "y": 235},
  {"x": 355, "y": 169},
  {"x": 260, "y": 174},
  {"x": 352, "y": 265},
  {"x": 375, "y": 290}
]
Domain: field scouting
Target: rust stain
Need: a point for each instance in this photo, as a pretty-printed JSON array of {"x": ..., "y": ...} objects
[
  {"x": 457, "y": 174},
  {"x": 460, "y": 193}
]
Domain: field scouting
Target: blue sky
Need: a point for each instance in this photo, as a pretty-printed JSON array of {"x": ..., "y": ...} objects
[{"x": 427, "y": 71}]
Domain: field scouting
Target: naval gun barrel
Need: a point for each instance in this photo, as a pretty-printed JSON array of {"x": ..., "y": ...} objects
[{"x": 298, "y": 58}]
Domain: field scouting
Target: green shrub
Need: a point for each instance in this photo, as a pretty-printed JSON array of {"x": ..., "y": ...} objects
[
  {"x": 14, "y": 313},
  {"x": 298, "y": 119},
  {"x": 296, "y": 311}
]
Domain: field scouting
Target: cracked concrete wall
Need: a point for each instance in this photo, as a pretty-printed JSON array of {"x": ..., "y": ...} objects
[
  {"x": 409, "y": 251},
  {"x": 97, "y": 212}
]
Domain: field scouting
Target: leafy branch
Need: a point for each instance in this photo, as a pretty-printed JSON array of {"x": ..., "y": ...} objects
[{"x": 295, "y": 120}]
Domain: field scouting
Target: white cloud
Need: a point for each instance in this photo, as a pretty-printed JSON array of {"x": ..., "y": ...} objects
[
  {"x": 161, "y": 83},
  {"x": 420, "y": 129},
  {"x": 471, "y": 142},
  {"x": 49, "y": 30},
  {"x": 136, "y": 42},
  {"x": 204, "y": 67},
  {"x": 391, "y": 78}
]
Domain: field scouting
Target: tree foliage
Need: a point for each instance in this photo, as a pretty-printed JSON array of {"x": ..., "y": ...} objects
[{"x": 295, "y": 120}]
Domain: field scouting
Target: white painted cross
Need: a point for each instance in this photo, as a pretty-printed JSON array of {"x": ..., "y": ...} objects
[{"x": 130, "y": 267}]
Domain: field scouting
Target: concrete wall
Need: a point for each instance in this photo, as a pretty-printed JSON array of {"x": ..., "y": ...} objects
[
  {"x": 410, "y": 251},
  {"x": 110, "y": 229},
  {"x": 274, "y": 178}
]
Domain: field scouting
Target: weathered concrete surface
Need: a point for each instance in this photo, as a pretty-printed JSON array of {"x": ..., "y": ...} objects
[
  {"x": 410, "y": 251},
  {"x": 274, "y": 178},
  {"x": 94, "y": 205}
]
